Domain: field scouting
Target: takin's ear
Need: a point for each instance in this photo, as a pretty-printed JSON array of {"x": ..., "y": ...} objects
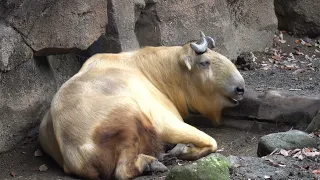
[{"x": 188, "y": 62}]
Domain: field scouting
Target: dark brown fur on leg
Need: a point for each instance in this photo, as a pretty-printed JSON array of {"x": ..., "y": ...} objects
[{"x": 125, "y": 131}]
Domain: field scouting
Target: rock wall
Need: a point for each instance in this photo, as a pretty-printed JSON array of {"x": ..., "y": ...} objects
[
  {"x": 43, "y": 43},
  {"x": 302, "y": 18},
  {"x": 38, "y": 43}
]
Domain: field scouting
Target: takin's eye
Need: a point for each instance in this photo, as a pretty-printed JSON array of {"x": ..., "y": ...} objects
[{"x": 204, "y": 64}]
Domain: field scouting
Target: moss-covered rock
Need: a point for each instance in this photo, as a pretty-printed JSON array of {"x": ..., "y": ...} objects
[{"x": 213, "y": 166}]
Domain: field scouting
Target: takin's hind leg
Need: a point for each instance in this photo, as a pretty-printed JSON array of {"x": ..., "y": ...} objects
[{"x": 130, "y": 167}]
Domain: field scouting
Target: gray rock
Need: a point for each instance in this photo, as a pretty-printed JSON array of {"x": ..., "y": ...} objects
[
  {"x": 56, "y": 27},
  {"x": 64, "y": 67},
  {"x": 276, "y": 106},
  {"x": 213, "y": 166},
  {"x": 236, "y": 26},
  {"x": 285, "y": 140},
  {"x": 245, "y": 61},
  {"x": 248, "y": 107},
  {"x": 315, "y": 124},
  {"x": 287, "y": 107},
  {"x": 25, "y": 94},
  {"x": 13, "y": 49},
  {"x": 300, "y": 17}
]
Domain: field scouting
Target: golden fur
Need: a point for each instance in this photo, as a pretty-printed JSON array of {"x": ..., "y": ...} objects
[{"x": 110, "y": 119}]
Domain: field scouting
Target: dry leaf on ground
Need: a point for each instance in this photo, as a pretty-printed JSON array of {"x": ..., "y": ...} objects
[
  {"x": 43, "y": 167},
  {"x": 13, "y": 174},
  {"x": 284, "y": 152},
  {"x": 38, "y": 153},
  {"x": 317, "y": 171}
]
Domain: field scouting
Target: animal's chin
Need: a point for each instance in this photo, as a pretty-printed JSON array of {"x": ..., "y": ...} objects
[{"x": 232, "y": 101}]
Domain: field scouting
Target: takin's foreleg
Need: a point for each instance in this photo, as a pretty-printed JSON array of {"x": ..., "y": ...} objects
[{"x": 192, "y": 143}]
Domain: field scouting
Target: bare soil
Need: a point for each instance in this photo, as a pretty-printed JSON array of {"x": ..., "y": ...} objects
[{"x": 22, "y": 164}]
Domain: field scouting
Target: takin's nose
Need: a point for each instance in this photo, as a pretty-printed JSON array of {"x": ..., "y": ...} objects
[{"x": 239, "y": 90}]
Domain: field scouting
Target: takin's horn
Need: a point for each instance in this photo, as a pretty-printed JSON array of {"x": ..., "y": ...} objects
[
  {"x": 210, "y": 41},
  {"x": 202, "y": 46}
]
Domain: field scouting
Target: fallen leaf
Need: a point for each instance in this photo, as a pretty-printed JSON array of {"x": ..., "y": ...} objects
[
  {"x": 43, "y": 167},
  {"x": 311, "y": 154},
  {"x": 284, "y": 41},
  {"x": 295, "y": 89},
  {"x": 13, "y": 174},
  {"x": 220, "y": 150},
  {"x": 280, "y": 36},
  {"x": 282, "y": 165},
  {"x": 306, "y": 149},
  {"x": 316, "y": 50},
  {"x": 266, "y": 177},
  {"x": 284, "y": 152},
  {"x": 298, "y": 71},
  {"x": 236, "y": 165},
  {"x": 308, "y": 44},
  {"x": 297, "y": 41},
  {"x": 271, "y": 61},
  {"x": 276, "y": 57},
  {"x": 317, "y": 172},
  {"x": 38, "y": 153},
  {"x": 294, "y": 151},
  {"x": 297, "y": 53}
]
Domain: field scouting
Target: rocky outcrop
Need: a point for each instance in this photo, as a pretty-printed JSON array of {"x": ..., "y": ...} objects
[
  {"x": 299, "y": 17},
  {"x": 31, "y": 34},
  {"x": 235, "y": 25},
  {"x": 276, "y": 106},
  {"x": 25, "y": 95},
  {"x": 51, "y": 26}
]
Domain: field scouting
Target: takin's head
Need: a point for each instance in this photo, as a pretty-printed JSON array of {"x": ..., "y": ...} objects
[{"x": 214, "y": 74}]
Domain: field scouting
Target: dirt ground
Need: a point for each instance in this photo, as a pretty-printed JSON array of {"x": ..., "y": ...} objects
[{"x": 22, "y": 164}]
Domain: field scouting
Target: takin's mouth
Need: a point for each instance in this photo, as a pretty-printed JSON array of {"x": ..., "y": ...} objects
[{"x": 233, "y": 101}]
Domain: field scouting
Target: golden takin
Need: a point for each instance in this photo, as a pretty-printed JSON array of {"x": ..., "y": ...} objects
[{"x": 111, "y": 118}]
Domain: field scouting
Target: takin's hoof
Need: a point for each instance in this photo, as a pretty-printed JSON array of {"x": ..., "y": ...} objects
[
  {"x": 155, "y": 166},
  {"x": 179, "y": 149}
]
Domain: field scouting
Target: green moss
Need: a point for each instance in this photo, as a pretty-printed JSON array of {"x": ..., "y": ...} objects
[{"x": 211, "y": 167}]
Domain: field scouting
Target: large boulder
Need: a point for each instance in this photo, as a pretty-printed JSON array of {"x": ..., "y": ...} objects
[
  {"x": 300, "y": 17},
  {"x": 51, "y": 26},
  {"x": 276, "y": 106},
  {"x": 235, "y": 25},
  {"x": 25, "y": 93},
  {"x": 288, "y": 140}
]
